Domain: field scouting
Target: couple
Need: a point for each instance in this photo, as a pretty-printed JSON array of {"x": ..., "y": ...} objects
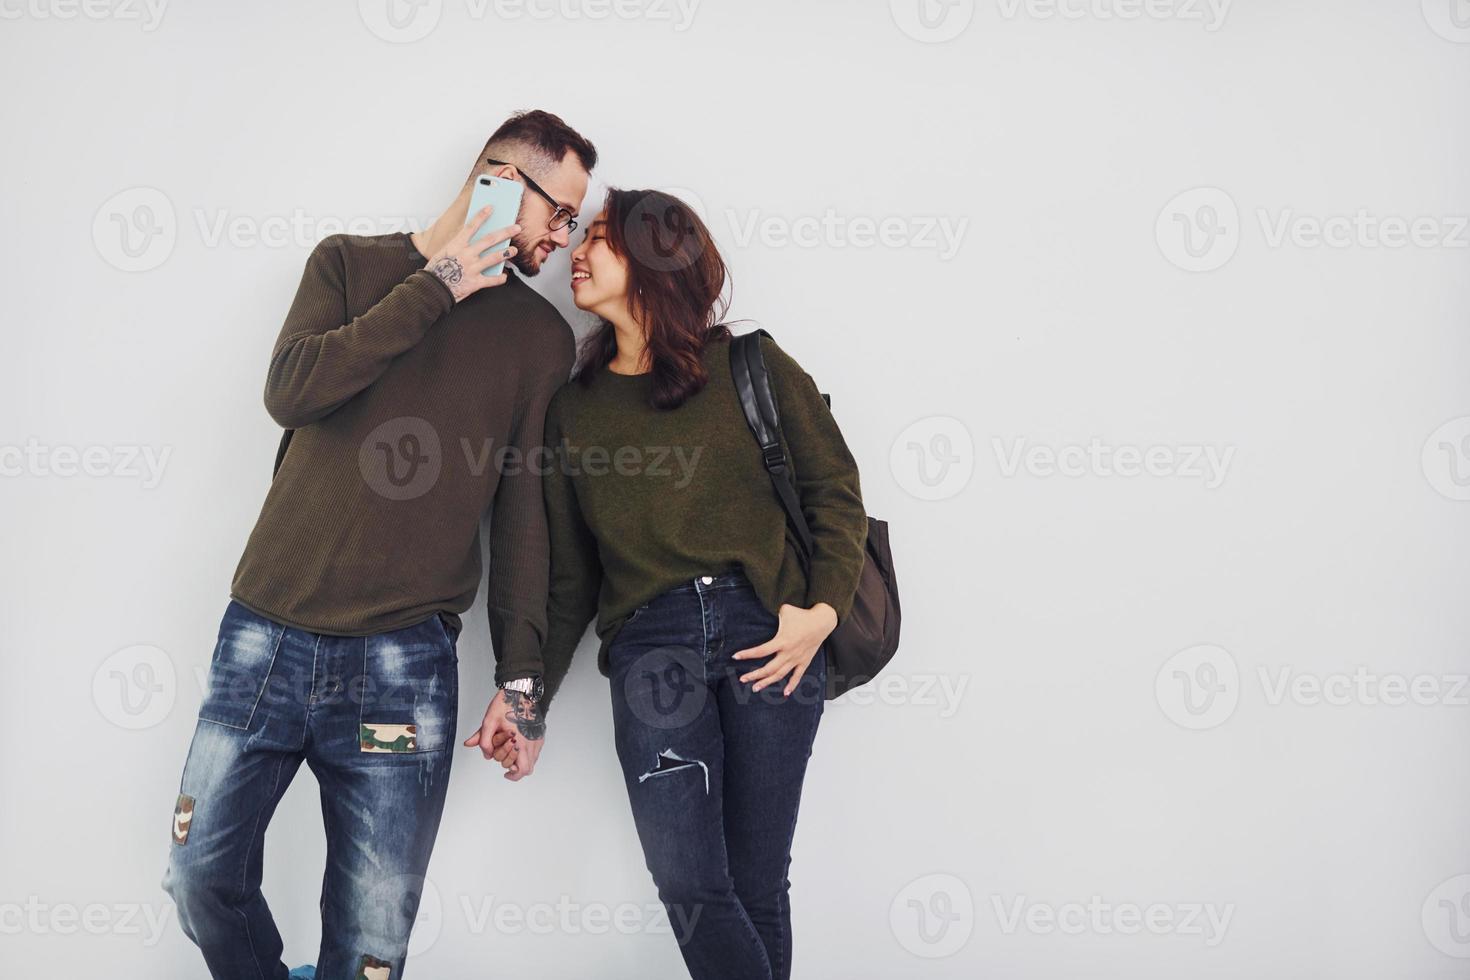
[{"x": 397, "y": 363}]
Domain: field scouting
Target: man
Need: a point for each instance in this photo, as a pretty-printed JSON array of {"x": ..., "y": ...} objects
[{"x": 413, "y": 389}]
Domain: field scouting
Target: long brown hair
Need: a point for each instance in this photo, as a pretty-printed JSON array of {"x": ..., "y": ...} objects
[{"x": 676, "y": 285}]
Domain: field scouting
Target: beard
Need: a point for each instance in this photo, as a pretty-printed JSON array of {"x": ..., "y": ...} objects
[{"x": 527, "y": 259}]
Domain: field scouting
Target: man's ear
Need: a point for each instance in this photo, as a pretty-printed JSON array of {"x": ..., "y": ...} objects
[{"x": 506, "y": 170}]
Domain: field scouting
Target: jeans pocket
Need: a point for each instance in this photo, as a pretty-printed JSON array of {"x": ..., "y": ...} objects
[
  {"x": 410, "y": 690},
  {"x": 243, "y": 657},
  {"x": 451, "y": 633}
]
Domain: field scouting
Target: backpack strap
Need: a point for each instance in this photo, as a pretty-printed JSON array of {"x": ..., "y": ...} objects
[{"x": 763, "y": 415}]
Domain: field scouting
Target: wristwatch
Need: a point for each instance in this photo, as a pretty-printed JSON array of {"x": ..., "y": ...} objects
[{"x": 532, "y": 687}]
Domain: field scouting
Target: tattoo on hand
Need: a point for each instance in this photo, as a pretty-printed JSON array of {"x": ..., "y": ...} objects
[
  {"x": 525, "y": 713},
  {"x": 449, "y": 271}
]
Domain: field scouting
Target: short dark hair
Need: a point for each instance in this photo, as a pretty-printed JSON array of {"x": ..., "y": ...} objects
[{"x": 536, "y": 141}]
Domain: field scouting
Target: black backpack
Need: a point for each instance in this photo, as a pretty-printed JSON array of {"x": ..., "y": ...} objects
[{"x": 864, "y": 642}]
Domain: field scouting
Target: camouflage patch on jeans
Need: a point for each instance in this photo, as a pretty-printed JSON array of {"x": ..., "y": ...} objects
[
  {"x": 183, "y": 818},
  {"x": 372, "y": 968},
  {"x": 389, "y": 738}
]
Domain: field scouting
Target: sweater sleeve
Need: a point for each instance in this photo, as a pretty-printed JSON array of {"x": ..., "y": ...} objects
[
  {"x": 576, "y": 569},
  {"x": 826, "y": 481},
  {"x": 520, "y": 553},
  {"x": 322, "y": 358}
]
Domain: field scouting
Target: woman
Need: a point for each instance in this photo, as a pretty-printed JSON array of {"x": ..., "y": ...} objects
[{"x": 664, "y": 524}]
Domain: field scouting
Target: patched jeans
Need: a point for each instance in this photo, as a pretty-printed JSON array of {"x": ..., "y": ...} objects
[
  {"x": 713, "y": 771},
  {"x": 373, "y": 717}
]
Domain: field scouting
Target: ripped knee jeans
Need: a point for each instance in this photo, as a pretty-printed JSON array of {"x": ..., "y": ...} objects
[
  {"x": 374, "y": 718},
  {"x": 714, "y": 771}
]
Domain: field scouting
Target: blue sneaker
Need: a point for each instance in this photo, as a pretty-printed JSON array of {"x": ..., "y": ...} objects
[{"x": 307, "y": 972}]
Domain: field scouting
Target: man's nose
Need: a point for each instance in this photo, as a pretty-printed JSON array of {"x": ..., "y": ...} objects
[{"x": 561, "y": 238}]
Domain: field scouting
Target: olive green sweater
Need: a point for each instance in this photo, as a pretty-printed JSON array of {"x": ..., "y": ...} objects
[
  {"x": 414, "y": 416},
  {"x": 639, "y": 500}
]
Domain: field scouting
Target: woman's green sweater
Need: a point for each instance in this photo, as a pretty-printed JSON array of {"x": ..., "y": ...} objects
[{"x": 639, "y": 500}]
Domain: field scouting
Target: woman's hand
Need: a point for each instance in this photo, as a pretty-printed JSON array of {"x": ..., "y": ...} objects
[
  {"x": 459, "y": 264},
  {"x": 797, "y": 640}
]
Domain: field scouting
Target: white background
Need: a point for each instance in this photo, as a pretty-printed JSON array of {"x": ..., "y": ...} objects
[{"x": 1081, "y": 760}]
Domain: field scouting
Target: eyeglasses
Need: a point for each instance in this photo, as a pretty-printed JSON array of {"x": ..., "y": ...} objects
[{"x": 561, "y": 216}]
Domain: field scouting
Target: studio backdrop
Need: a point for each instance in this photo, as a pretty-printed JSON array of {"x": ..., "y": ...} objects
[{"x": 1145, "y": 322}]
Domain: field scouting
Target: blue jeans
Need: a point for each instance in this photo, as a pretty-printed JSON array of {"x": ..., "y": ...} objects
[
  {"x": 373, "y": 717},
  {"x": 713, "y": 771}
]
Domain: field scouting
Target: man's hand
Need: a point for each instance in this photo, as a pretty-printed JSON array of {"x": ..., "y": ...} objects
[
  {"x": 459, "y": 265},
  {"x": 798, "y": 638},
  {"x": 511, "y": 733}
]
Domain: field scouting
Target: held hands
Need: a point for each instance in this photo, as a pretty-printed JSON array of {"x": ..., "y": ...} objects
[
  {"x": 511, "y": 733},
  {"x": 459, "y": 265},
  {"x": 797, "y": 640}
]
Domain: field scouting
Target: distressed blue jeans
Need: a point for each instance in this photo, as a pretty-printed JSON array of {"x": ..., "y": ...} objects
[
  {"x": 713, "y": 771},
  {"x": 373, "y": 717}
]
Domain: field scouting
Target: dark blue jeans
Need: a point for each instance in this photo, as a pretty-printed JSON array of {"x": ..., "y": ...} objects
[
  {"x": 373, "y": 717},
  {"x": 714, "y": 772}
]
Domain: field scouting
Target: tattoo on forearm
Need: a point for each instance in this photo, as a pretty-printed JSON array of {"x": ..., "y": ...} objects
[
  {"x": 449, "y": 271},
  {"x": 525, "y": 714}
]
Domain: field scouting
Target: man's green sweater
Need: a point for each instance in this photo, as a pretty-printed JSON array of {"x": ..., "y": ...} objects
[{"x": 414, "y": 416}]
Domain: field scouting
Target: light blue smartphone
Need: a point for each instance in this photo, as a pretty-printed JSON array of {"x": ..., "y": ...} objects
[{"x": 505, "y": 197}]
